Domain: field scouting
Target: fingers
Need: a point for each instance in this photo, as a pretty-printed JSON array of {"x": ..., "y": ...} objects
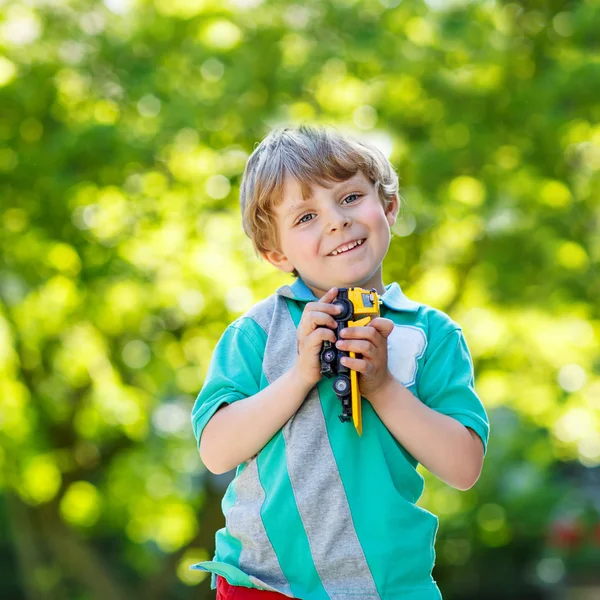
[
  {"x": 377, "y": 326},
  {"x": 314, "y": 320},
  {"x": 325, "y": 304},
  {"x": 357, "y": 364},
  {"x": 319, "y": 335},
  {"x": 360, "y": 333},
  {"x": 384, "y": 326},
  {"x": 358, "y": 346},
  {"x": 326, "y": 307},
  {"x": 329, "y": 296},
  {"x": 319, "y": 314}
]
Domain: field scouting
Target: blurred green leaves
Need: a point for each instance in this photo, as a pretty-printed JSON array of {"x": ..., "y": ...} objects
[{"x": 124, "y": 131}]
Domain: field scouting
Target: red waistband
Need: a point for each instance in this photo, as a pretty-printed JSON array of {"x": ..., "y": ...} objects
[{"x": 225, "y": 591}]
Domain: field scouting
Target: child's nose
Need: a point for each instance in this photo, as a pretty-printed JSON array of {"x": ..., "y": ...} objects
[{"x": 336, "y": 219}]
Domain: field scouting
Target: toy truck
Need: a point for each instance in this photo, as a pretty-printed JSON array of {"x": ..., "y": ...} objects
[{"x": 359, "y": 306}]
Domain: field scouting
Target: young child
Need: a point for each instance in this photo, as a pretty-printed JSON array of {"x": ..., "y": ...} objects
[{"x": 315, "y": 511}]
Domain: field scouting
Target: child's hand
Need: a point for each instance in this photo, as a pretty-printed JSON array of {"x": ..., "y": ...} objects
[
  {"x": 315, "y": 327},
  {"x": 371, "y": 343}
]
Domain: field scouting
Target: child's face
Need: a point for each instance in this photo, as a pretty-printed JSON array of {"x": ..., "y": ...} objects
[{"x": 309, "y": 231}]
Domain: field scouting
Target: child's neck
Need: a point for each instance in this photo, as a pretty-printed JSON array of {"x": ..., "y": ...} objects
[{"x": 373, "y": 282}]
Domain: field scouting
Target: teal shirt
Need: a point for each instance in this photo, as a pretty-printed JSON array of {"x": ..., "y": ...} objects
[{"x": 321, "y": 513}]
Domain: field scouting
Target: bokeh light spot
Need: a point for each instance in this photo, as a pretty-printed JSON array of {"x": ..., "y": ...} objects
[
  {"x": 572, "y": 378},
  {"x": 41, "y": 478},
  {"x": 467, "y": 190},
  {"x": 81, "y": 504}
]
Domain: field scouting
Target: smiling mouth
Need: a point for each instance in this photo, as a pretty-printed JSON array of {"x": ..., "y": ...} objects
[{"x": 356, "y": 247}]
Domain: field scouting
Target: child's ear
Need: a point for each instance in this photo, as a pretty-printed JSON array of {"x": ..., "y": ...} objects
[
  {"x": 391, "y": 211},
  {"x": 278, "y": 260}
]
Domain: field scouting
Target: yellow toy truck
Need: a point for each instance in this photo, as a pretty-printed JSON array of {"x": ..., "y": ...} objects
[{"x": 359, "y": 306}]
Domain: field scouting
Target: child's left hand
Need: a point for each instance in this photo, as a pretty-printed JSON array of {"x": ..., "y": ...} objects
[{"x": 371, "y": 343}]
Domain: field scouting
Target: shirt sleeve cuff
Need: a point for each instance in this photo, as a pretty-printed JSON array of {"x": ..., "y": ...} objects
[
  {"x": 202, "y": 419},
  {"x": 472, "y": 420}
]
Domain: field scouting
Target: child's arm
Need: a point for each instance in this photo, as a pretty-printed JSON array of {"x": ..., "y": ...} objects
[
  {"x": 447, "y": 448},
  {"x": 450, "y": 450},
  {"x": 240, "y": 430}
]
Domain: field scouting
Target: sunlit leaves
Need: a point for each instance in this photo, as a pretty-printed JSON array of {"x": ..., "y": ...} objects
[
  {"x": 170, "y": 524},
  {"x": 467, "y": 190},
  {"x": 556, "y": 194},
  {"x": 220, "y": 34},
  {"x": 15, "y": 414},
  {"x": 437, "y": 285},
  {"x": 81, "y": 504},
  {"x": 184, "y": 9},
  {"x": 40, "y": 479},
  {"x": 8, "y": 70},
  {"x": 44, "y": 311},
  {"x": 191, "y": 557},
  {"x": 124, "y": 131}
]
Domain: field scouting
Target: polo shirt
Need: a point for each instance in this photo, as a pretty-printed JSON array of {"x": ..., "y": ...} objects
[{"x": 321, "y": 512}]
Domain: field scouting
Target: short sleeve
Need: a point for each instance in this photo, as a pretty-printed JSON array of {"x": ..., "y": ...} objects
[
  {"x": 234, "y": 373},
  {"x": 447, "y": 385}
]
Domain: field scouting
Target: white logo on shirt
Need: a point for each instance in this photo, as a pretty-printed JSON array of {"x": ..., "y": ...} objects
[{"x": 406, "y": 344}]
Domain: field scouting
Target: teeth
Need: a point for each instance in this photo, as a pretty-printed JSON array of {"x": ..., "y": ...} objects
[{"x": 347, "y": 247}]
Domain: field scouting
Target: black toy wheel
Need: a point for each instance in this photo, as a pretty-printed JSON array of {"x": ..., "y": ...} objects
[
  {"x": 347, "y": 309},
  {"x": 341, "y": 385},
  {"x": 329, "y": 356}
]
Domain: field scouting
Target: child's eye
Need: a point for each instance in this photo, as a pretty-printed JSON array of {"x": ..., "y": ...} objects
[
  {"x": 300, "y": 219},
  {"x": 351, "y": 195}
]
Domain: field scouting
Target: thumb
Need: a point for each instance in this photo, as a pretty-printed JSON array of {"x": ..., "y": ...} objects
[{"x": 383, "y": 326}]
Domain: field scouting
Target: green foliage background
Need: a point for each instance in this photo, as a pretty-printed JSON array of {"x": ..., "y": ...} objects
[{"x": 124, "y": 130}]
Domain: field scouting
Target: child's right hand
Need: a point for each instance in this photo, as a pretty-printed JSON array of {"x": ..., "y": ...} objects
[{"x": 316, "y": 326}]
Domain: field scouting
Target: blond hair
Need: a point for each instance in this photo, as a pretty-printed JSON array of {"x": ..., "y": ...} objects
[{"x": 312, "y": 155}]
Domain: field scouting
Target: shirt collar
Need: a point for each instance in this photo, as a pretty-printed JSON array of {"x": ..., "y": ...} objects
[{"x": 393, "y": 297}]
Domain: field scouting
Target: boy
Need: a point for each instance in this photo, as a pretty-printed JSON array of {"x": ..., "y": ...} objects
[{"x": 314, "y": 510}]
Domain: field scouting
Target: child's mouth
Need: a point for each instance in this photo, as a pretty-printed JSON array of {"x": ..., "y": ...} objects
[{"x": 357, "y": 247}]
